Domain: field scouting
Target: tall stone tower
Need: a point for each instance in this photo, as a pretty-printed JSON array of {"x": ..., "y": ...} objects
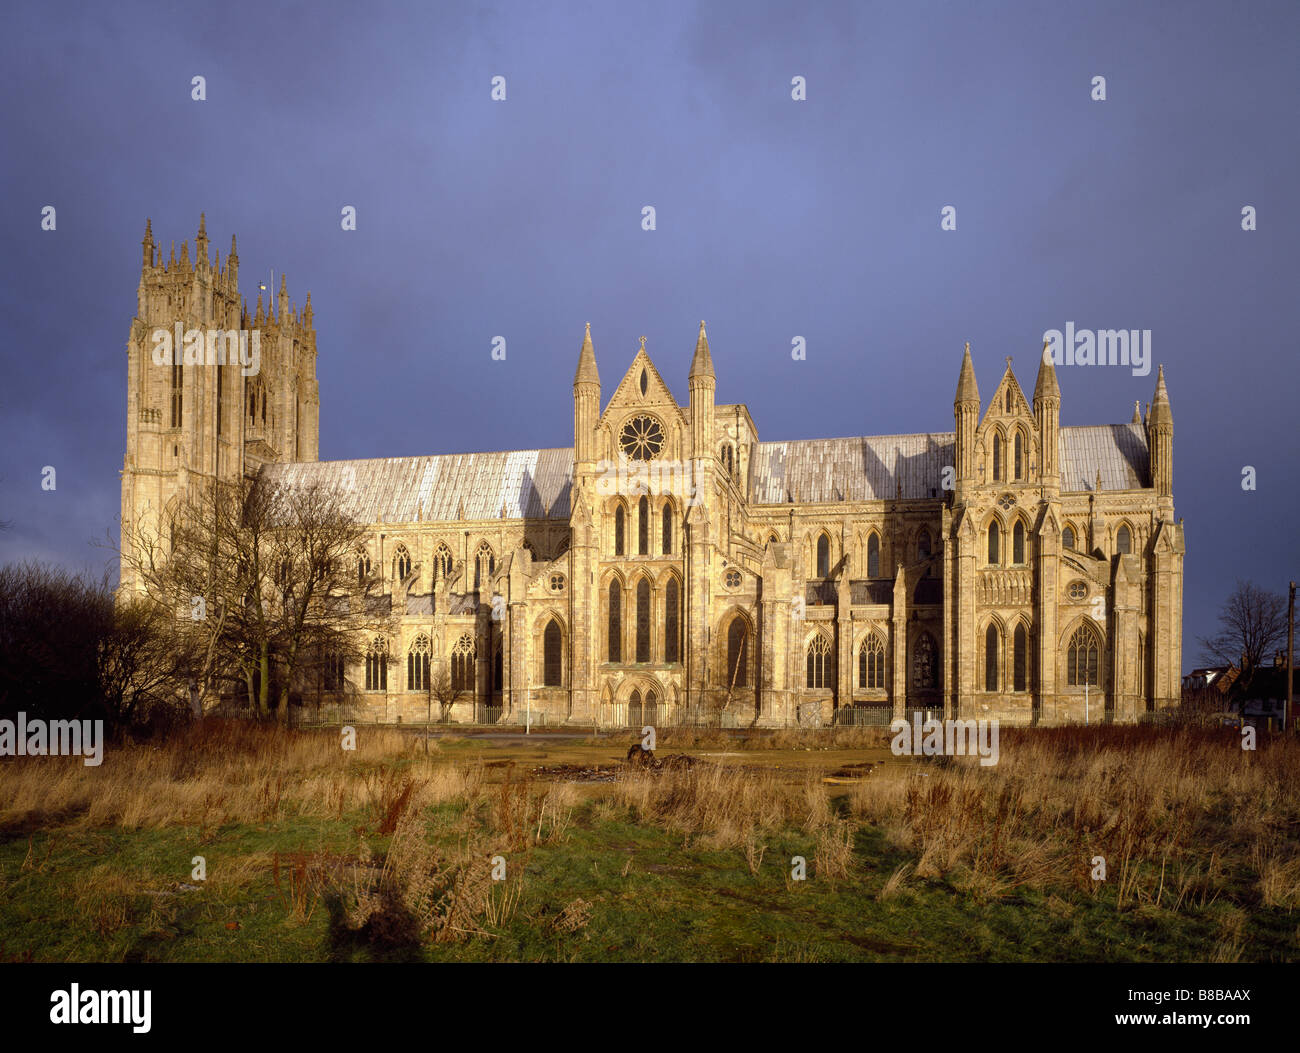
[{"x": 211, "y": 393}]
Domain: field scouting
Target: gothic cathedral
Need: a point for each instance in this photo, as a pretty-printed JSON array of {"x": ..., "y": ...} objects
[{"x": 670, "y": 567}]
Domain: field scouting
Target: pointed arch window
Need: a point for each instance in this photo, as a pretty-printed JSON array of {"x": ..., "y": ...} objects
[
  {"x": 177, "y": 386},
  {"x": 377, "y": 665},
  {"x": 667, "y": 530},
  {"x": 619, "y": 525},
  {"x": 643, "y": 527},
  {"x": 441, "y": 562},
  {"x": 672, "y": 622},
  {"x": 363, "y": 568},
  {"x": 995, "y": 543},
  {"x": 873, "y": 556},
  {"x": 462, "y": 664},
  {"x": 820, "y": 674},
  {"x": 1020, "y": 659},
  {"x": 615, "y": 626},
  {"x": 823, "y": 556},
  {"x": 417, "y": 664},
  {"x": 643, "y": 621},
  {"x": 871, "y": 663},
  {"x": 401, "y": 563},
  {"x": 737, "y": 653},
  {"x": 1124, "y": 541},
  {"x": 1018, "y": 456},
  {"x": 1082, "y": 658},
  {"x": 485, "y": 564},
  {"x": 1009, "y": 401},
  {"x": 997, "y": 456},
  {"x": 991, "y": 658},
  {"x": 552, "y": 655},
  {"x": 1067, "y": 538},
  {"x": 1018, "y": 543},
  {"x": 923, "y": 545}
]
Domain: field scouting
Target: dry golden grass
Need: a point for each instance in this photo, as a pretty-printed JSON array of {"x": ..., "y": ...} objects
[
  {"x": 223, "y": 772},
  {"x": 1184, "y": 819}
]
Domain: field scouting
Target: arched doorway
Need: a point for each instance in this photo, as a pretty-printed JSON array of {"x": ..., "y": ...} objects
[{"x": 642, "y": 709}]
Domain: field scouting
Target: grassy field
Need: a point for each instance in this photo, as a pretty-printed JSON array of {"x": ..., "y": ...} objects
[{"x": 313, "y": 853}]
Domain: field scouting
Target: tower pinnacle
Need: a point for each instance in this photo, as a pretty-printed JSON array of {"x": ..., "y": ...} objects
[{"x": 702, "y": 362}]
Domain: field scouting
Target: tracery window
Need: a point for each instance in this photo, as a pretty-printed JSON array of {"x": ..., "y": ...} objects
[
  {"x": 417, "y": 664},
  {"x": 462, "y": 664},
  {"x": 1082, "y": 658},
  {"x": 377, "y": 665},
  {"x": 820, "y": 674},
  {"x": 871, "y": 663}
]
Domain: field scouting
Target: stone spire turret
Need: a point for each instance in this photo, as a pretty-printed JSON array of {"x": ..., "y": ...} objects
[
  {"x": 587, "y": 372},
  {"x": 1160, "y": 440},
  {"x": 966, "y": 410},
  {"x": 586, "y": 403},
  {"x": 1047, "y": 416},
  {"x": 201, "y": 243},
  {"x": 703, "y": 384},
  {"x": 702, "y": 362}
]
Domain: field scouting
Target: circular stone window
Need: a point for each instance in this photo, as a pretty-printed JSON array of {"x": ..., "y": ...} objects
[
  {"x": 557, "y": 582},
  {"x": 1005, "y": 502},
  {"x": 732, "y": 579},
  {"x": 1078, "y": 590},
  {"x": 641, "y": 438}
]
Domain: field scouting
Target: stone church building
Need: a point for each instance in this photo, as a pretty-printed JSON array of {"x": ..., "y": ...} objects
[{"x": 668, "y": 565}]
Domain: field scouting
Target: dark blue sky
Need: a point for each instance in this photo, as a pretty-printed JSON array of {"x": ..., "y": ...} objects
[{"x": 775, "y": 219}]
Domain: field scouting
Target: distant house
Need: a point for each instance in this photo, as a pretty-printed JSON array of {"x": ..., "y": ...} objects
[
  {"x": 1208, "y": 689},
  {"x": 1262, "y": 694}
]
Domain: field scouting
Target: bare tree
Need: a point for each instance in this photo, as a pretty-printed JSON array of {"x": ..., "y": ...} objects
[
  {"x": 262, "y": 585},
  {"x": 444, "y": 690},
  {"x": 1252, "y": 625},
  {"x": 139, "y": 668}
]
